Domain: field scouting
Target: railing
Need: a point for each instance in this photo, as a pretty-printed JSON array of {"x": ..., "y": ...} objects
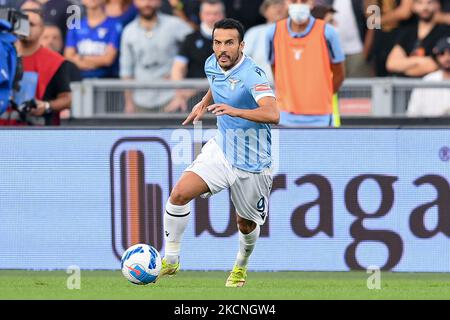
[
  {"x": 371, "y": 97},
  {"x": 381, "y": 97}
]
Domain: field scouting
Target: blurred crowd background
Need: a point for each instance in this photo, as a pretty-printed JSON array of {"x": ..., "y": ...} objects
[{"x": 150, "y": 40}]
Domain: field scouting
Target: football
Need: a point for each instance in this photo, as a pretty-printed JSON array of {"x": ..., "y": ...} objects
[{"x": 141, "y": 264}]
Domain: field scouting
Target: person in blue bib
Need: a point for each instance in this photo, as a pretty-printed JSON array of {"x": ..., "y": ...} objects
[{"x": 238, "y": 157}]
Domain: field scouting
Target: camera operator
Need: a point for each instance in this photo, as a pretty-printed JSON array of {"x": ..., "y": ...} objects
[
  {"x": 44, "y": 71},
  {"x": 8, "y": 64}
]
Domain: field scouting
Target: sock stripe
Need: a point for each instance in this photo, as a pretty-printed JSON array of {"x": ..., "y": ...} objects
[{"x": 176, "y": 216}]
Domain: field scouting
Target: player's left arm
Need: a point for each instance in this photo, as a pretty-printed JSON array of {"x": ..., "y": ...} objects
[
  {"x": 267, "y": 111},
  {"x": 337, "y": 57}
]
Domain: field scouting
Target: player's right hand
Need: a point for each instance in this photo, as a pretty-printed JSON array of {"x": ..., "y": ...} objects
[{"x": 197, "y": 113}]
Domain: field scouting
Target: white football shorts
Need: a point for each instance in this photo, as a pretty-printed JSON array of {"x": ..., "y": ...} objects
[{"x": 249, "y": 191}]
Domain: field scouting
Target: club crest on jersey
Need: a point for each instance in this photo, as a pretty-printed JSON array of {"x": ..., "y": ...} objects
[
  {"x": 102, "y": 32},
  {"x": 297, "y": 53},
  {"x": 233, "y": 83}
]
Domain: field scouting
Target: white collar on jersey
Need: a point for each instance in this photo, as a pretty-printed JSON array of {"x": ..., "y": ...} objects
[{"x": 226, "y": 73}]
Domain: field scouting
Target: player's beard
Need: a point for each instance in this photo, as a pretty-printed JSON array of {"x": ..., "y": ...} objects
[{"x": 232, "y": 63}]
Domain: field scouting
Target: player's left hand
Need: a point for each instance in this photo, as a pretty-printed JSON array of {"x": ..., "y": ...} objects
[{"x": 220, "y": 109}]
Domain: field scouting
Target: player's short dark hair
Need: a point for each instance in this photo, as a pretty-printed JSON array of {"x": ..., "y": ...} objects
[{"x": 230, "y": 24}]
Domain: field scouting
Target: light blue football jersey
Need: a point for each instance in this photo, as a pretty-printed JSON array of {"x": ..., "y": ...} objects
[{"x": 246, "y": 144}]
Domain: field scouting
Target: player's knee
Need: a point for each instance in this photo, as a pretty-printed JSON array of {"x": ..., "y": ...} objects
[
  {"x": 178, "y": 197},
  {"x": 246, "y": 226}
]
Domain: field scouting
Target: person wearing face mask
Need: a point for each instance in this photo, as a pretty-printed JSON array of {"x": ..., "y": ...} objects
[
  {"x": 195, "y": 49},
  {"x": 308, "y": 66}
]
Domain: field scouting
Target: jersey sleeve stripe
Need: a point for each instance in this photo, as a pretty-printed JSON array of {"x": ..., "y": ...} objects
[{"x": 263, "y": 95}]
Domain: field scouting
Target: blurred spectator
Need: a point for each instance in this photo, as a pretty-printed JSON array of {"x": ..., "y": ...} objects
[
  {"x": 308, "y": 66},
  {"x": 352, "y": 29},
  {"x": 324, "y": 12},
  {"x": 434, "y": 102},
  {"x": 196, "y": 48},
  {"x": 246, "y": 11},
  {"x": 52, "y": 39},
  {"x": 55, "y": 12},
  {"x": 123, "y": 11},
  {"x": 411, "y": 56},
  {"x": 44, "y": 78},
  {"x": 255, "y": 37},
  {"x": 149, "y": 46},
  {"x": 379, "y": 42},
  {"x": 94, "y": 46}
]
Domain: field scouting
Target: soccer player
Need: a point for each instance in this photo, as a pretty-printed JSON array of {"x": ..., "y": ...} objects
[{"x": 239, "y": 157}]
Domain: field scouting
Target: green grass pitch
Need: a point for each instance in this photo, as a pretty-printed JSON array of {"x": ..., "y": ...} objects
[{"x": 190, "y": 285}]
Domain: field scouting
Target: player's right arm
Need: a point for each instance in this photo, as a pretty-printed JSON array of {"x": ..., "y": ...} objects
[
  {"x": 267, "y": 111},
  {"x": 199, "y": 109}
]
